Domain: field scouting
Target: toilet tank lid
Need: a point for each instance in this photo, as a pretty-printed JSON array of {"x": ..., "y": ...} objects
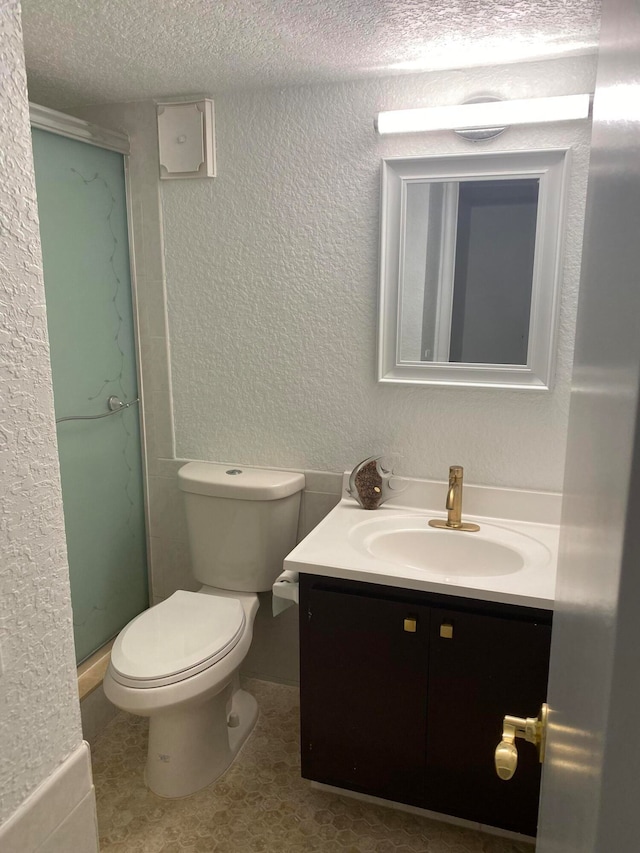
[{"x": 238, "y": 481}]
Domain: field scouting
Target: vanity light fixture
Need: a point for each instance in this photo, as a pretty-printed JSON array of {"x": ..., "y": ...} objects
[{"x": 474, "y": 116}]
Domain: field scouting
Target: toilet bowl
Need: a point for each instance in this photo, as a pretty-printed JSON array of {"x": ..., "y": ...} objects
[
  {"x": 178, "y": 662},
  {"x": 199, "y": 716}
]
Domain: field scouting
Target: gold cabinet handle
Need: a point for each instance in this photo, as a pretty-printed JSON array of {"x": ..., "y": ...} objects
[
  {"x": 446, "y": 630},
  {"x": 411, "y": 625},
  {"x": 532, "y": 729}
]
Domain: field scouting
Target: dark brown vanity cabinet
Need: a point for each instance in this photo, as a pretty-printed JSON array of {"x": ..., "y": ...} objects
[{"x": 403, "y": 695}]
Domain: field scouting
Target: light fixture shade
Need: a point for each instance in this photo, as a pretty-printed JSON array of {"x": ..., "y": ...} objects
[{"x": 487, "y": 114}]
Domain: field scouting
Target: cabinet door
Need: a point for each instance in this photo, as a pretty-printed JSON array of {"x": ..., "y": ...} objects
[
  {"x": 489, "y": 667},
  {"x": 363, "y": 693}
]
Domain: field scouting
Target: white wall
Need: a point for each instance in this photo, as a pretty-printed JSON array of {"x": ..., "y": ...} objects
[
  {"x": 39, "y": 713},
  {"x": 272, "y": 281}
]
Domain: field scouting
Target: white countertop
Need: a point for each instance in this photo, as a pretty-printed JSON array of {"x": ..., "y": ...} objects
[{"x": 332, "y": 549}]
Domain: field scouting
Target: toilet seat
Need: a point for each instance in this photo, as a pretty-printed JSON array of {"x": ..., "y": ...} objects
[{"x": 176, "y": 639}]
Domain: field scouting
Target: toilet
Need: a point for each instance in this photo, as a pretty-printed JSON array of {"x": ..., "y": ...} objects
[{"x": 178, "y": 662}]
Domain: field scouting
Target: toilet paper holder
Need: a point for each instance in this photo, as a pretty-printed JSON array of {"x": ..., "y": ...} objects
[{"x": 286, "y": 591}]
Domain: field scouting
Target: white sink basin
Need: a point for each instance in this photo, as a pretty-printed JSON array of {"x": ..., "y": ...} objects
[
  {"x": 408, "y": 541},
  {"x": 510, "y": 559}
]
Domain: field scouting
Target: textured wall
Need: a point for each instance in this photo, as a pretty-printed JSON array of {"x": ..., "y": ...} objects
[
  {"x": 39, "y": 716},
  {"x": 272, "y": 283}
]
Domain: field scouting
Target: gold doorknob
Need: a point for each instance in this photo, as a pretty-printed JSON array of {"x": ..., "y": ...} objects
[
  {"x": 532, "y": 729},
  {"x": 506, "y": 759}
]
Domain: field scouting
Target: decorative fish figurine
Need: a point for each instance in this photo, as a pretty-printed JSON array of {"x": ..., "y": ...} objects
[{"x": 370, "y": 483}]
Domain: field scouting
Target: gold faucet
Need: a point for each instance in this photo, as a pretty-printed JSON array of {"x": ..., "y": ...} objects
[{"x": 454, "y": 505}]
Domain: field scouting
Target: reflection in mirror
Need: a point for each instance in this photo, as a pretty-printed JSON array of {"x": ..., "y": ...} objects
[
  {"x": 496, "y": 238},
  {"x": 469, "y": 268},
  {"x": 479, "y": 313}
]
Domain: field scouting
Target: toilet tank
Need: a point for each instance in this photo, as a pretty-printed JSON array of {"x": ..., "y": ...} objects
[{"x": 242, "y": 523}]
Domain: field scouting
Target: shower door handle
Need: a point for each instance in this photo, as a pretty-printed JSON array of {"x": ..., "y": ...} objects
[{"x": 114, "y": 403}]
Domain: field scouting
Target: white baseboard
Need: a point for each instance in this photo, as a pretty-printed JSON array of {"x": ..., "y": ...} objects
[{"x": 60, "y": 815}]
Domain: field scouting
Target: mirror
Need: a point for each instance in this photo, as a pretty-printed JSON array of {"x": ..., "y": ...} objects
[{"x": 469, "y": 265}]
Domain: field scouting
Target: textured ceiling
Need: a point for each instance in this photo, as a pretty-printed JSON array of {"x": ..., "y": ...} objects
[{"x": 94, "y": 51}]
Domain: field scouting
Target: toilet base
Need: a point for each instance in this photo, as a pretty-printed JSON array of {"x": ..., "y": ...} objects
[{"x": 191, "y": 747}]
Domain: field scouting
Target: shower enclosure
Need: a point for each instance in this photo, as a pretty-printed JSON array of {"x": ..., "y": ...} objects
[{"x": 82, "y": 206}]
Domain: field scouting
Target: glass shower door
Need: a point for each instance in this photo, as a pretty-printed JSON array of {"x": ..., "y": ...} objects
[{"x": 83, "y": 226}]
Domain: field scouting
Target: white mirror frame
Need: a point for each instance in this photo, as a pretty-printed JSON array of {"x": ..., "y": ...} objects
[{"x": 551, "y": 166}]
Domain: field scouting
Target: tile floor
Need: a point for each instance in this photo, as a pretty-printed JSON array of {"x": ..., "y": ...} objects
[{"x": 261, "y": 804}]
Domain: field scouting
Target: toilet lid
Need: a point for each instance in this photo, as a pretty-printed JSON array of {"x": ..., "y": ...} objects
[{"x": 187, "y": 633}]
